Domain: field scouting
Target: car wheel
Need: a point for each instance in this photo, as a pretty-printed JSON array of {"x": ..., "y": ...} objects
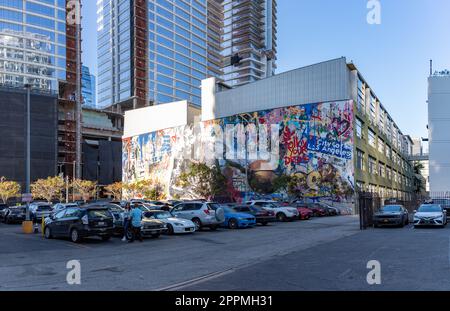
[
  {"x": 74, "y": 236},
  {"x": 264, "y": 223},
  {"x": 48, "y": 233},
  {"x": 232, "y": 224},
  {"x": 170, "y": 229},
  {"x": 281, "y": 217},
  {"x": 129, "y": 234},
  {"x": 106, "y": 238},
  {"x": 156, "y": 235},
  {"x": 197, "y": 223}
]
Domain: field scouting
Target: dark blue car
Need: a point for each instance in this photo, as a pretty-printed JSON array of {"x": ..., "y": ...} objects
[{"x": 235, "y": 220}]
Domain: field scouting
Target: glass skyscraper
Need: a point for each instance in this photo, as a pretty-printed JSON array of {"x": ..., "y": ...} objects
[
  {"x": 33, "y": 43},
  {"x": 88, "y": 88},
  {"x": 249, "y": 40},
  {"x": 154, "y": 50}
]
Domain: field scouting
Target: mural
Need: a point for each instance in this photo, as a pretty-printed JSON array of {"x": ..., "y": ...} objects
[{"x": 315, "y": 143}]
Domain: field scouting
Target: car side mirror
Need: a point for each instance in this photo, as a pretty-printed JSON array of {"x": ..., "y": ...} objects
[{"x": 415, "y": 211}]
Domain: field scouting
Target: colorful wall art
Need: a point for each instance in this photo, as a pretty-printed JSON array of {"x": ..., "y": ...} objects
[{"x": 313, "y": 142}]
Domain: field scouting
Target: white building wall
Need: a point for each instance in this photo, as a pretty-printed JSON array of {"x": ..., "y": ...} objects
[
  {"x": 159, "y": 117},
  {"x": 439, "y": 132},
  {"x": 323, "y": 82}
]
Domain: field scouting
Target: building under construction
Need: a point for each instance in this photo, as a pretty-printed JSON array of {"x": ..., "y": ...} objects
[{"x": 48, "y": 59}]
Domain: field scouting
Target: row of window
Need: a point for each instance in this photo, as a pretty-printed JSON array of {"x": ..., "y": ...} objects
[
  {"x": 380, "y": 145},
  {"x": 378, "y": 116},
  {"x": 379, "y": 168}
]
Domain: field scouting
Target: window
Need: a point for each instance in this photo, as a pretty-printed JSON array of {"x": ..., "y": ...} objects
[
  {"x": 360, "y": 160},
  {"x": 359, "y": 128},
  {"x": 372, "y": 166},
  {"x": 388, "y": 173},
  {"x": 372, "y": 138},
  {"x": 381, "y": 146},
  {"x": 381, "y": 169}
]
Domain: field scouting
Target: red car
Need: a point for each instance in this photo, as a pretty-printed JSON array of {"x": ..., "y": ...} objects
[
  {"x": 318, "y": 210},
  {"x": 304, "y": 212}
]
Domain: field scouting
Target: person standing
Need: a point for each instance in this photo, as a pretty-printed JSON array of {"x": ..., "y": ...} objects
[
  {"x": 136, "y": 223},
  {"x": 126, "y": 221}
]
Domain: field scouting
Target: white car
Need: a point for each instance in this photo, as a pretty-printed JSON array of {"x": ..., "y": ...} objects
[
  {"x": 175, "y": 225},
  {"x": 283, "y": 213},
  {"x": 430, "y": 215}
]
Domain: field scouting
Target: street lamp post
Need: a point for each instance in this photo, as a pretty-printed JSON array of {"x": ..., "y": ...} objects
[{"x": 28, "y": 151}]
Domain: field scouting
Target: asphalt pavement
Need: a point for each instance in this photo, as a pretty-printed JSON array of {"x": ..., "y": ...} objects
[{"x": 321, "y": 254}]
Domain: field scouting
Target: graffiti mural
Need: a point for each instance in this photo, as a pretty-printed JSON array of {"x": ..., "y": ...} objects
[{"x": 314, "y": 142}]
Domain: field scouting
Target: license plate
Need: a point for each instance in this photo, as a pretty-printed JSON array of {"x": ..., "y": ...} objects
[{"x": 101, "y": 223}]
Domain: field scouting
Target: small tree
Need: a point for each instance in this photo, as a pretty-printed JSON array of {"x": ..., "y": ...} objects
[
  {"x": 204, "y": 182},
  {"x": 8, "y": 189},
  {"x": 155, "y": 192},
  {"x": 115, "y": 190},
  {"x": 48, "y": 189},
  {"x": 85, "y": 188}
]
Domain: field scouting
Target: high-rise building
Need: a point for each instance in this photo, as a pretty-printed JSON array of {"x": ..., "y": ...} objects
[
  {"x": 248, "y": 44},
  {"x": 88, "y": 89},
  {"x": 40, "y": 45},
  {"x": 439, "y": 130},
  {"x": 33, "y": 43},
  {"x": 151, "y": 51}
]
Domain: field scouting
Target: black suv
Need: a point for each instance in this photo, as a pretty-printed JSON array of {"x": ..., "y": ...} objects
[
  {"x": 80, "y": 222},
  {"x": 3, "y": 208},
  {"x": 14, "y": 215}
]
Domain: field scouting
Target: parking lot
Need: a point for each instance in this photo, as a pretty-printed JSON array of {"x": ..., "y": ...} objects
[
  {"x": 321, "y": 254},
  {"x": 29, "y": 262}
]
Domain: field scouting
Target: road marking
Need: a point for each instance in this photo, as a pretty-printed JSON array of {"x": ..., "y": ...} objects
[{"x": 205, "y": 278}]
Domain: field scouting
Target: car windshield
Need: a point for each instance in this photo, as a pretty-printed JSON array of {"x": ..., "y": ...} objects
[
  {"x": 269, "y": 205},
  {"x": 99, "y": 213},
  {"x": 44, "y": 208},
  {"x": 115, "y": 209},
  {"x": 391, "y": 208},
  {"x": 161, "y": 215},
  {"x": 430, "y": 209}
]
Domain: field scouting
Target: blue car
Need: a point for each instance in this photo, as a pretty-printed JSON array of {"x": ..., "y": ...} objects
[{"x": 235, "y": 220}]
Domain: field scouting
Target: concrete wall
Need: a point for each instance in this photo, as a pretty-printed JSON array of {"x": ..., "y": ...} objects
[
  {"x": 323, "y": 82},
  {"x": 439, "y": 132},
  {"x": 159, "y": 117}
]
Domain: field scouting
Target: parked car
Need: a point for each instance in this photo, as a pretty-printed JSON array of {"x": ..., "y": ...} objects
[
  {"x": 318, "y": 210},
  {"x": 3, "y": 208},
  {"x": 263, "y": 217},
  {"x": 80, "y": 222},
  {"x": 391, "y": 215},
  {"x": 330, "y": 210},
  {"x": 174, "y": 225},
  {"x": 235, "y": 219},
  {"x": 151, "y": 226},
  {"x": 40, "y": 210},
  {"x": 282, "y": 213},
  {"x": 202, "y": 214},
  {"x": 304, "y": 213},
  {"x": 430, "y": 215},
  {"x": 14, "y": 214},
  {"x": 60, "y": 206},
  {"x": 118, "y": 214}
]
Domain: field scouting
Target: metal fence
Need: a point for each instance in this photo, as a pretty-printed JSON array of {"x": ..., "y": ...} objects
[{"x": 369, "y": 203}]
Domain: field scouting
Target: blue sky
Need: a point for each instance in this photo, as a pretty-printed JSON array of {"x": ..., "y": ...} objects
[{"x": 393, "y": 56}]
